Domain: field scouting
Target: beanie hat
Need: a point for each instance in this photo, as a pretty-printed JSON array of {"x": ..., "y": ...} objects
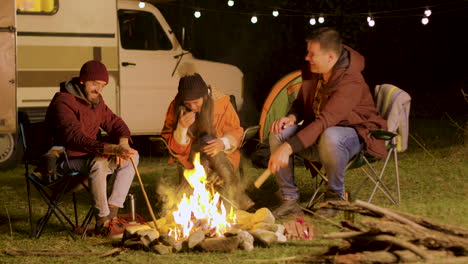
[
  {"x": 191, "y": 84},
  {"x": 94, "y": 70}
]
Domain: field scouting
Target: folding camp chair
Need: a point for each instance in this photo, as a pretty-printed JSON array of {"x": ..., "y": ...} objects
[
  {"x": 36, "y": 142},
  {"x": 393, "y": 104},
  {"x": 249, "y": 134}
]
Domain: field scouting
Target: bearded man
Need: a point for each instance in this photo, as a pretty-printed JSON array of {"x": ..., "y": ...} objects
[
  {"x": 75, "y": 116},
  {"x": 201, "y": 119}
]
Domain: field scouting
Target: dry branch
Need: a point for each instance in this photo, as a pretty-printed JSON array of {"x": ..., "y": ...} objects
[
  {"x": 45, "y": 252},
  {"x": 389, "y": 214},
  {"x": 452, "y": 230},
  {"x": 428, "y": 238}
]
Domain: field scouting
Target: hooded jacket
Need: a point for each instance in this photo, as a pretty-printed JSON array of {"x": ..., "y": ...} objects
[
  {"x": 347, "y": 102},
  {"x": 75, "y": 123}
]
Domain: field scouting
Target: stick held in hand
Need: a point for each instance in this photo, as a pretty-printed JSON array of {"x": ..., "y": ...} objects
[
  {"x": 148, "y": 204},
  {"x": 260, "y": 180}
]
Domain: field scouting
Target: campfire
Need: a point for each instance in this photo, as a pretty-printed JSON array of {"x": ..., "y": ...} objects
[
  {"x": 202, "y": 222},
  {"x": 203, "y": 209}
]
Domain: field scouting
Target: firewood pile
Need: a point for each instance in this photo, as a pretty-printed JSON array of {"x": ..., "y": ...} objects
[
  {"x": 389, "y": 236},
  {"x": 251, "y": 229}
]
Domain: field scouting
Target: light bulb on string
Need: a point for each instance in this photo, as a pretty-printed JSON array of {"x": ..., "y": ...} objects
[
  {"x": 197, "y": 14},
  {"x": 427, "y": 12},
  {"x": 275, "y": 13},
  {"x": 321, "y": 19},
  {"x": 371, "y": 23},
  {"x": 141, "y": 4},
  {"x": 254, "y": 19},
  {"x": 425, "y": 21},
  {"x": 369, "y": 17},
  {"x": 312, "y": 21},
  {"x": 230, "y": 3}
]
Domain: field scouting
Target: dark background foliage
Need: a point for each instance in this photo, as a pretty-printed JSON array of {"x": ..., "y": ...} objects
[{"x": 427, "y": 61}]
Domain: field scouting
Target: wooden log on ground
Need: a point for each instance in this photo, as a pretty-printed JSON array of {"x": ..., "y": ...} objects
[
  {"x": 449, "y": 229},
  {"x": 399, "y": 256},
  {"x": 383, "y": 238},
  {"x": 46, "y": 252},
  {"x": 428, "y": 238},
  {"x": 389, "y": 214}
]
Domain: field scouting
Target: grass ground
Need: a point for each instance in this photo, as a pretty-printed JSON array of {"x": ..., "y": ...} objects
[{"x": 433, "y": 184}]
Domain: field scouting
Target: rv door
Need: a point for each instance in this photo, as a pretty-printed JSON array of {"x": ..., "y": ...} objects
[
  {"x": 8, "y": 67},
  {"x": 147, "y": 50}
]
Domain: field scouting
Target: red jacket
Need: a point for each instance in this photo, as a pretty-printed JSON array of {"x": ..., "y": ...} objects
[
  {"x": 348, "y": 102},
  {"x": 75, "y": 123}
]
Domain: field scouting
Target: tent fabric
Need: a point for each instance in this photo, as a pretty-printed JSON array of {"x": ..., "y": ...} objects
[{"x": 279, "y": 101}]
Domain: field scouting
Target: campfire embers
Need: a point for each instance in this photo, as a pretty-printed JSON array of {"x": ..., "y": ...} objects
[{"x": 201, "y": 222}]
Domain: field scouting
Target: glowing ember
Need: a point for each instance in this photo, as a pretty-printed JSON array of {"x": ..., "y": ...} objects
[{"x": 203, "y": 210}]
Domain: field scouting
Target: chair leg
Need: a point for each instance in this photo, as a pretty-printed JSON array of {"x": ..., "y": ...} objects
[
  {"x": 323, "y": 180},
  {"x": 378, "y": 181},
  {"x": 74, "y": 208},
  {"x": 397, "y": 175},
  {"x": 313, "y": 200},
  {"x": 87, "y": 221},
  {"x": 32, "y": 227}
]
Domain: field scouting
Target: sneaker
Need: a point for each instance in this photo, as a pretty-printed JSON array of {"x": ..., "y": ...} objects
[
  {"x": 102, "y": 226},
  {"x": 286, "y": 208}
]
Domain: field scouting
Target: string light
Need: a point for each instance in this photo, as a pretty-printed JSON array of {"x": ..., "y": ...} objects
[
  {"x": 321, "y": 19},
  {"x": 312, "y": 21},
  {"x": 427, "y": 12},
  {"x": 370, "y": 20},
  {"x": 254, "y": 19},
  {"x": 141, "y": 4},
  {"x": 425, "y": 20}
]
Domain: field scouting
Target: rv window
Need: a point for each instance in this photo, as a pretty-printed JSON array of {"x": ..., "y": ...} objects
[
  {"x": 37, "y": 7},
  {"x": 139, "y": 30}
]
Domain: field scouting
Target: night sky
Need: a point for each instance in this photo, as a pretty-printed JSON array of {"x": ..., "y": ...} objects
[{"x": 427, "y": 61}]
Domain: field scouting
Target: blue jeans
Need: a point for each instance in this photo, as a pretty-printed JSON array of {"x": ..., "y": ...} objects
[
  {"x": 98, "y": 168},
  {"x": 334, "y": 149}
]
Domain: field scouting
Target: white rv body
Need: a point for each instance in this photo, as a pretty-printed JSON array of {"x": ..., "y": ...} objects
[{"x": 143, "y": 79}]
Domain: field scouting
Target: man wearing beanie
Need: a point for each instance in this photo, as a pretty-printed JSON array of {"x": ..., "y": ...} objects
[
  {"x": 75, "y": 117},
  {"x": 203, "y": 120}
]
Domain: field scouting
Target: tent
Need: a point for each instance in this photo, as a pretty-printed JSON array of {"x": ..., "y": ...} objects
[{"x": 279, "y": 101}]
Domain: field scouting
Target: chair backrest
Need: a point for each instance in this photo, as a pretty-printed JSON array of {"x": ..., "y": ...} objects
[
  {"x": 394, "y": 105},
  {"x": 249, "y": 133},
  {"x": 36, "y": 139}
]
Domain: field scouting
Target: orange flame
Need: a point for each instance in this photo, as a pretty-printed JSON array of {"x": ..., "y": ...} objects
[{"x": 202, "y": 207}]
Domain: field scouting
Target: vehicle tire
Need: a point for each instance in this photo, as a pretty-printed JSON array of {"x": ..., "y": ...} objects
[{"x": 10, "y": 151}]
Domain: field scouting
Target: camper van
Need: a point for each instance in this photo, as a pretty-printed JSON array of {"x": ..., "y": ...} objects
[{"x": 45, "y": 42}]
